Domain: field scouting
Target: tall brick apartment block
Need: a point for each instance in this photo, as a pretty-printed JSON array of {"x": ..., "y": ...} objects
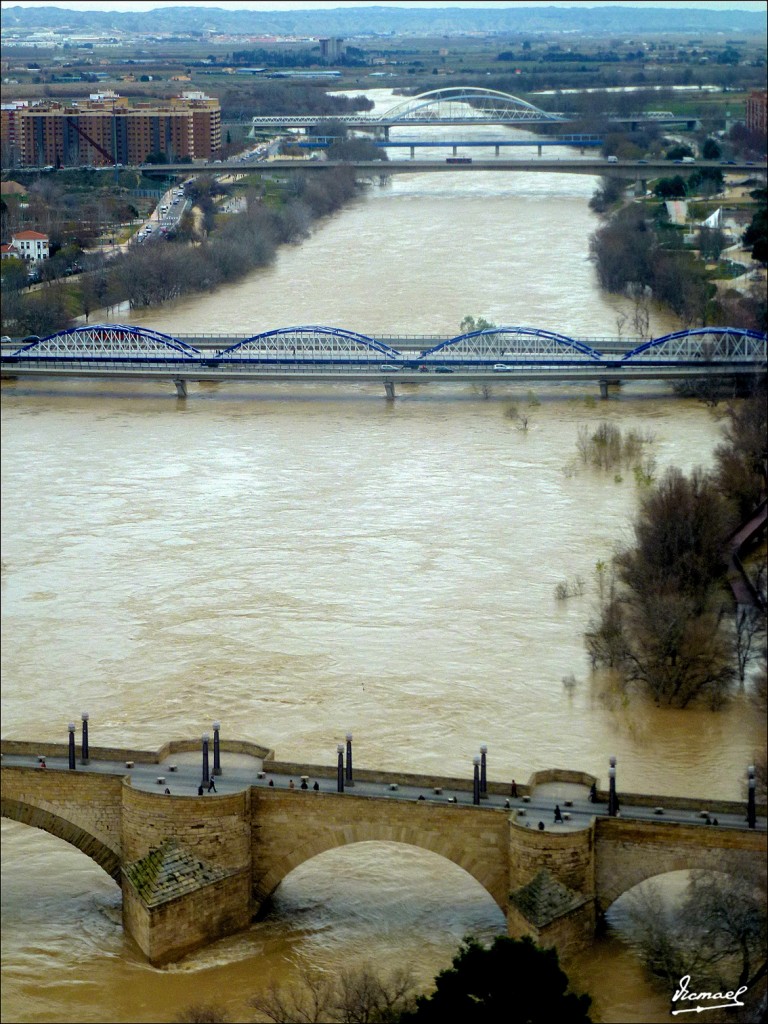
[{"x": 105, "y": 129}]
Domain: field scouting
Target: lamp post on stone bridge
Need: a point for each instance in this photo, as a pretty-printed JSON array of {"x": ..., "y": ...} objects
[
  {"x": 206, "y": 774},
  {"x": 613, "y": 800},
  {"x": 72, "y": 764},
  {"x": 751, "y": 810},
  {"x": 216, "y": 749},
  {"x": 84, "y": 753},
  {"x": 483, "y": 767},
  {"x": 348, "y": 776},
  {"x": 340, "y": 768},
  {"x": 476, "y": 779}
]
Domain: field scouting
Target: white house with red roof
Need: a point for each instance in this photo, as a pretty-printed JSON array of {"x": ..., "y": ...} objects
[{"x": 32, "y": 245}]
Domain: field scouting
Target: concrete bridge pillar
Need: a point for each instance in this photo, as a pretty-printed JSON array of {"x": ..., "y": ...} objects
[
  {"x": 181, "y": 388},
  {"x": 604, "y": 389},
  {"x": 389, "y": 387},
  {"x": 413, "y": 152}
]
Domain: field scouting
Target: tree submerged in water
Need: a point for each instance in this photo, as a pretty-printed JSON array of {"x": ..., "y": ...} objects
[
  {"x": 608, "y": 448},
  {"x": 470, "y": 324},
  {"x": 661, "y": 614}
]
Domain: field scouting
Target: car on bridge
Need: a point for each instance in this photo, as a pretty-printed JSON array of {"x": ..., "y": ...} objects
[
  {"x": 501, "y": 368},
  {"x": 443, "y": 369},
  {"x": 389, "y": 367}
]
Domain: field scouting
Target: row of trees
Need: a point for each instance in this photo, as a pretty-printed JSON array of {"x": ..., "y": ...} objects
[
  {"x": 629, "y": 252},
  {"x": 665, "y": 622},
  {"x": 157, "y": 272},
  {"x": 200, "y": 255}
]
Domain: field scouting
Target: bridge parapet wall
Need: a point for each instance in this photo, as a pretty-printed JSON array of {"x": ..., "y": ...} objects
[
  {"x": 30, "y": 748},
  {"x": 418, "y": 781},
  {"x": 629, "y": 852}
]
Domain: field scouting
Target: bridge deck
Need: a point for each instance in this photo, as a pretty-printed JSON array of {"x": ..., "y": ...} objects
[{"x": 241, "y": 771}]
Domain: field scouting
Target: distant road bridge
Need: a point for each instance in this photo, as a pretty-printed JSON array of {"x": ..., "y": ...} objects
[
  {"x": 332, "y": 354},
  {"x": 578, "y": 141},
  {"x": 460, "y": 105},
  {"x": 633, "y": 169}
]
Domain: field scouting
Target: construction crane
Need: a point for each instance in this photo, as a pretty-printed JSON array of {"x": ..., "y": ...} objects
[{"x": 87, "y": 137}]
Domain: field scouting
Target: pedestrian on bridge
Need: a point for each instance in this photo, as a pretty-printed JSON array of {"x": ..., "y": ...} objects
[
  {"x": 558, "y": 815},
  {"x": 316, "y": 787},
  {"x": 212, "y": 786},
  {"x": 513, "y": 790},
  {"x": 200, "y": 790}
]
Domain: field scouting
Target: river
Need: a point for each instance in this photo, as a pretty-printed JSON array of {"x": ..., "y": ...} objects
[{"x": 300, "y": 563}]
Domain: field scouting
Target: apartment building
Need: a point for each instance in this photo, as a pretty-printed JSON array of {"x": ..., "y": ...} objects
[
  {"x": 756, "y": 111},
  {"x": 106, "y": 129}
]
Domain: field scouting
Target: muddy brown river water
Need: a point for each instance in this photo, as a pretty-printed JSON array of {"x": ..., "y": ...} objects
[{"x": 300, "y": 562}]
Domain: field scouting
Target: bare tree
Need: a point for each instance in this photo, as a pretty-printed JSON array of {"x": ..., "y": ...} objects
[
  {"x": 749, "y": 628},
  {"x": 357, "y": 996},
  {"x": 716, "y": 933},
  {"x": 201, "y": 1013},
  {"x": 307, "y": 1000}
]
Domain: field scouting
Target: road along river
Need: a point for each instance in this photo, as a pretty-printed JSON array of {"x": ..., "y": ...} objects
[{"x": 302, "y": 563}]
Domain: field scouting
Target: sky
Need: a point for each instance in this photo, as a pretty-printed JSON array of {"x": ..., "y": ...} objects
[{"x": 286, "y": 5}]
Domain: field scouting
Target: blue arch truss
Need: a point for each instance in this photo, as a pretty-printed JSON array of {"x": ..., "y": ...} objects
[
  {"x": 707, "y": 344},
  {"x": 515, "y": 344},
  {"x": 114, "y": 342},
  {"x": 308, "y": 343}
]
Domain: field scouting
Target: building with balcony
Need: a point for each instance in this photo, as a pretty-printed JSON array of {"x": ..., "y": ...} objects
[{"x": 105, "y": 129}]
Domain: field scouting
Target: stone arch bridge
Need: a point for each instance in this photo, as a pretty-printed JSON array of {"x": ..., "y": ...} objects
[{"x": 195, "y": 868}]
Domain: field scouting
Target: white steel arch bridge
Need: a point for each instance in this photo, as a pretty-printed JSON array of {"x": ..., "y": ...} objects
[{"x": 453, "y": 105}]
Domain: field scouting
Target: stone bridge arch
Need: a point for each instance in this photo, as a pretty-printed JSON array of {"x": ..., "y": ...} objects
[
  {"x": 56, "y": 825},
  {"x": 628, "y": 853},
  {"x": 478, "y": 847}
]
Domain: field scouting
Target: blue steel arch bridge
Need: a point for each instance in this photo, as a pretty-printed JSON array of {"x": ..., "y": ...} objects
[{"x": 314, "y": 353}]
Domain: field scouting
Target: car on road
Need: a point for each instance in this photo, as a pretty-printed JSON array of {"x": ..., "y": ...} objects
[
  {"x": 6, "y": 340},
  {"x": 389, "y": 368},
  {"x": 443, "y": 369},
  {"x": 501, "y": 368}
]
